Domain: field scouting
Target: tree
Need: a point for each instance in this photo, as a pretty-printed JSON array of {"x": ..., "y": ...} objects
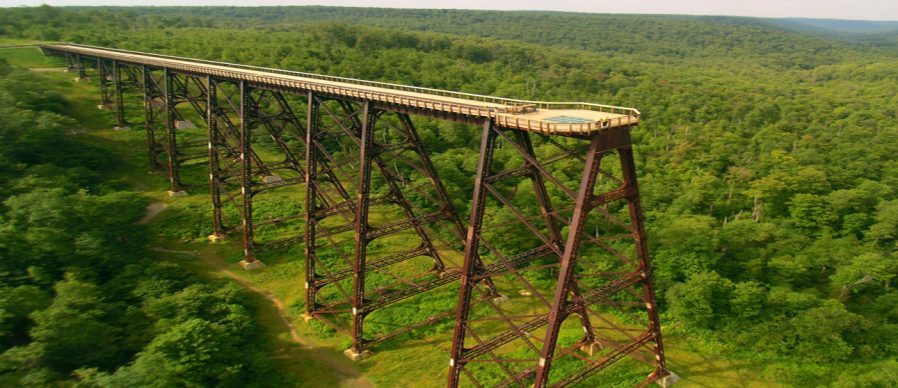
[
  {"x": 885, "y": 229},
  {"x": 700, "y": 300},
  {"x": 868, "y": 269},
  {"x": 76, "y": 330}
]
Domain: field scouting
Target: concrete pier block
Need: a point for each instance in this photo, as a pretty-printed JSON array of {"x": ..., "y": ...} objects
[
  {"x": 184, "y": 124},
  {"x": 591, "y": 348},
  {"x": 252, "y": 265},
  {"x": 669, "y": 380},
  {"x": 500, "y": 299},
  {"x": 271, "y": 178},
  {"x": 355, "y": 356},
  {"x": 175, "y": 194}
]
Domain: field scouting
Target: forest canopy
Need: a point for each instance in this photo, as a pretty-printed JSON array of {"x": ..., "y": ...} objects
[{"x": 768, "y": 166}]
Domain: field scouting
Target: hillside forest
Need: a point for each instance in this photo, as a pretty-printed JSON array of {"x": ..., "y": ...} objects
[{"x": 767, "y": 159}]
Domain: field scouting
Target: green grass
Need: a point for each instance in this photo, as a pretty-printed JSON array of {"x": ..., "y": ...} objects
[
  {"x": 28, "y": 57},
  {"x": 412, "y": 362}
]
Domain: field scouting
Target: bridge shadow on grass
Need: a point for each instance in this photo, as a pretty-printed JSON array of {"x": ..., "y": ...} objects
[{"x": 698, "y": 370}]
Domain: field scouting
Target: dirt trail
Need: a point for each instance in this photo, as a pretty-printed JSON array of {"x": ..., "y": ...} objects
[
  {"x": 347, "y": 372},
  {"x": 153, "y": 210},
  {"x": 47, "y": 69}
]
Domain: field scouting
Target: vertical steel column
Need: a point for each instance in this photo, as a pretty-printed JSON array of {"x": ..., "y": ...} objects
[
  {"x": 472, "y": 244},
  {"x": 214, "y": 168},
  {"x": 119, "y": 98},
  {"x": 313, "y": 123},
  {"x": 628, "y": 169},
  {"x": 150, "y": 119},
  {"x": 69, "y": 62},
  {"x": 80, "y": 64},
  {"x": 401, "y": 200},
  {"x": 171, "y": 134},
  {"x": 366, "y": 156},
  {"x": 246, "y": 173},
  {"x": 103, "y": 75},
  {"x": 568, "y": 262}
]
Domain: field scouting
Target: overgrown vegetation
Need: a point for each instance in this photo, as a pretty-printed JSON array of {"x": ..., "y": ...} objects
[
  {"x": 82, "y": 299},
  {"x": 768, "y": 165}
]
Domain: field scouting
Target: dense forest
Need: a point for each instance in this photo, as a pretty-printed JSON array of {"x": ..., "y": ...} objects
[{"x": 768, "y": 161}]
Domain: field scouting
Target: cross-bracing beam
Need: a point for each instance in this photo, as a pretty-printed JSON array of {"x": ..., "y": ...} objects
[
  {"x": 555, "y": 242},
  {"x": 561, "y": 287}
]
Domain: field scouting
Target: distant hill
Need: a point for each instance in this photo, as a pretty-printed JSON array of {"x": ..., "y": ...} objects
[{"x": 842, "y": 26}]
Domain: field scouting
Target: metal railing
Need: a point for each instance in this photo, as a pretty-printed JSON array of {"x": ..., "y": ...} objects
[{"x": 507, "y": 112}]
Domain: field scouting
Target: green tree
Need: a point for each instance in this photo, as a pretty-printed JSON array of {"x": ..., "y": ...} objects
[{"x": 75, "y": 330}]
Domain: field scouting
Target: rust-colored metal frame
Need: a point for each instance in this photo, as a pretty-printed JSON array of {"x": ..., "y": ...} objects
[
  {"x": 234, "y": 162},
  {"x": 521, "y": 346}
]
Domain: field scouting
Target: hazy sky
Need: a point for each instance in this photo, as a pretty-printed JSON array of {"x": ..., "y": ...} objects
[{"x": 857, "y": 9}]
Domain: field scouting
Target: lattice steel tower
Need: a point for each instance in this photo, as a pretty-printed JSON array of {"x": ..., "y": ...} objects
[{"x": 555, "y": 281}]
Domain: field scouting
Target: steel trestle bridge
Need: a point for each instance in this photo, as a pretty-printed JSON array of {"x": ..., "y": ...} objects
[{"x": 551, "y": 272}]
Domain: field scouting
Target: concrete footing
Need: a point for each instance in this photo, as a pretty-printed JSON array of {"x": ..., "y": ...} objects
[
  {"x": 591, "y": 348},
  {"x": 356, "y": 356},
  {"x": 215, "y": 238},
  {"x": 179, "y": 193},
  {"x": 252, "y": 265},
  {"x": 271, "y": 178},
  {"x": 669, "y": 380},
  {"x": 125, "y": 128},
  {"x": 184, "y": 124},
  {"x": 499, "y": 299}
]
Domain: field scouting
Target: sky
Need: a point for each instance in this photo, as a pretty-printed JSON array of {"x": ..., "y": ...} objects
[{"x": 830, "y": 9}]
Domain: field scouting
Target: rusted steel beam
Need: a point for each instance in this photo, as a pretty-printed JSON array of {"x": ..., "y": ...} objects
[
  {"x": 472, "y": 244},
  {"x": 313, "y": 124},
  {"x": 328, "y": 161},
  {"x": 366, "y": 157},
  {"x": 570, "y": 296},
  {"x": 215, "y": 173},
  {"x": 151, "y": 93},
  {"x": 119, "y": 95},
  {"x": 246, "y": 174}
]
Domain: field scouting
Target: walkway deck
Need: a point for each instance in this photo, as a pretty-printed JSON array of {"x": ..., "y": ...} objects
[{"x": 562, "y": 118}]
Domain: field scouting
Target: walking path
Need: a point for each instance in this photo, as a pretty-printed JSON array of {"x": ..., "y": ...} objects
[{"x": 342, "y": 368}]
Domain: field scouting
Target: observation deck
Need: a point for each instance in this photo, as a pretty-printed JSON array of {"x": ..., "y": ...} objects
[{"x": 557, "y": 118}]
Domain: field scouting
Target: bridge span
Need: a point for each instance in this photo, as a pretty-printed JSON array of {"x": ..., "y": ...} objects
[{"x": 554, "y": 241}]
